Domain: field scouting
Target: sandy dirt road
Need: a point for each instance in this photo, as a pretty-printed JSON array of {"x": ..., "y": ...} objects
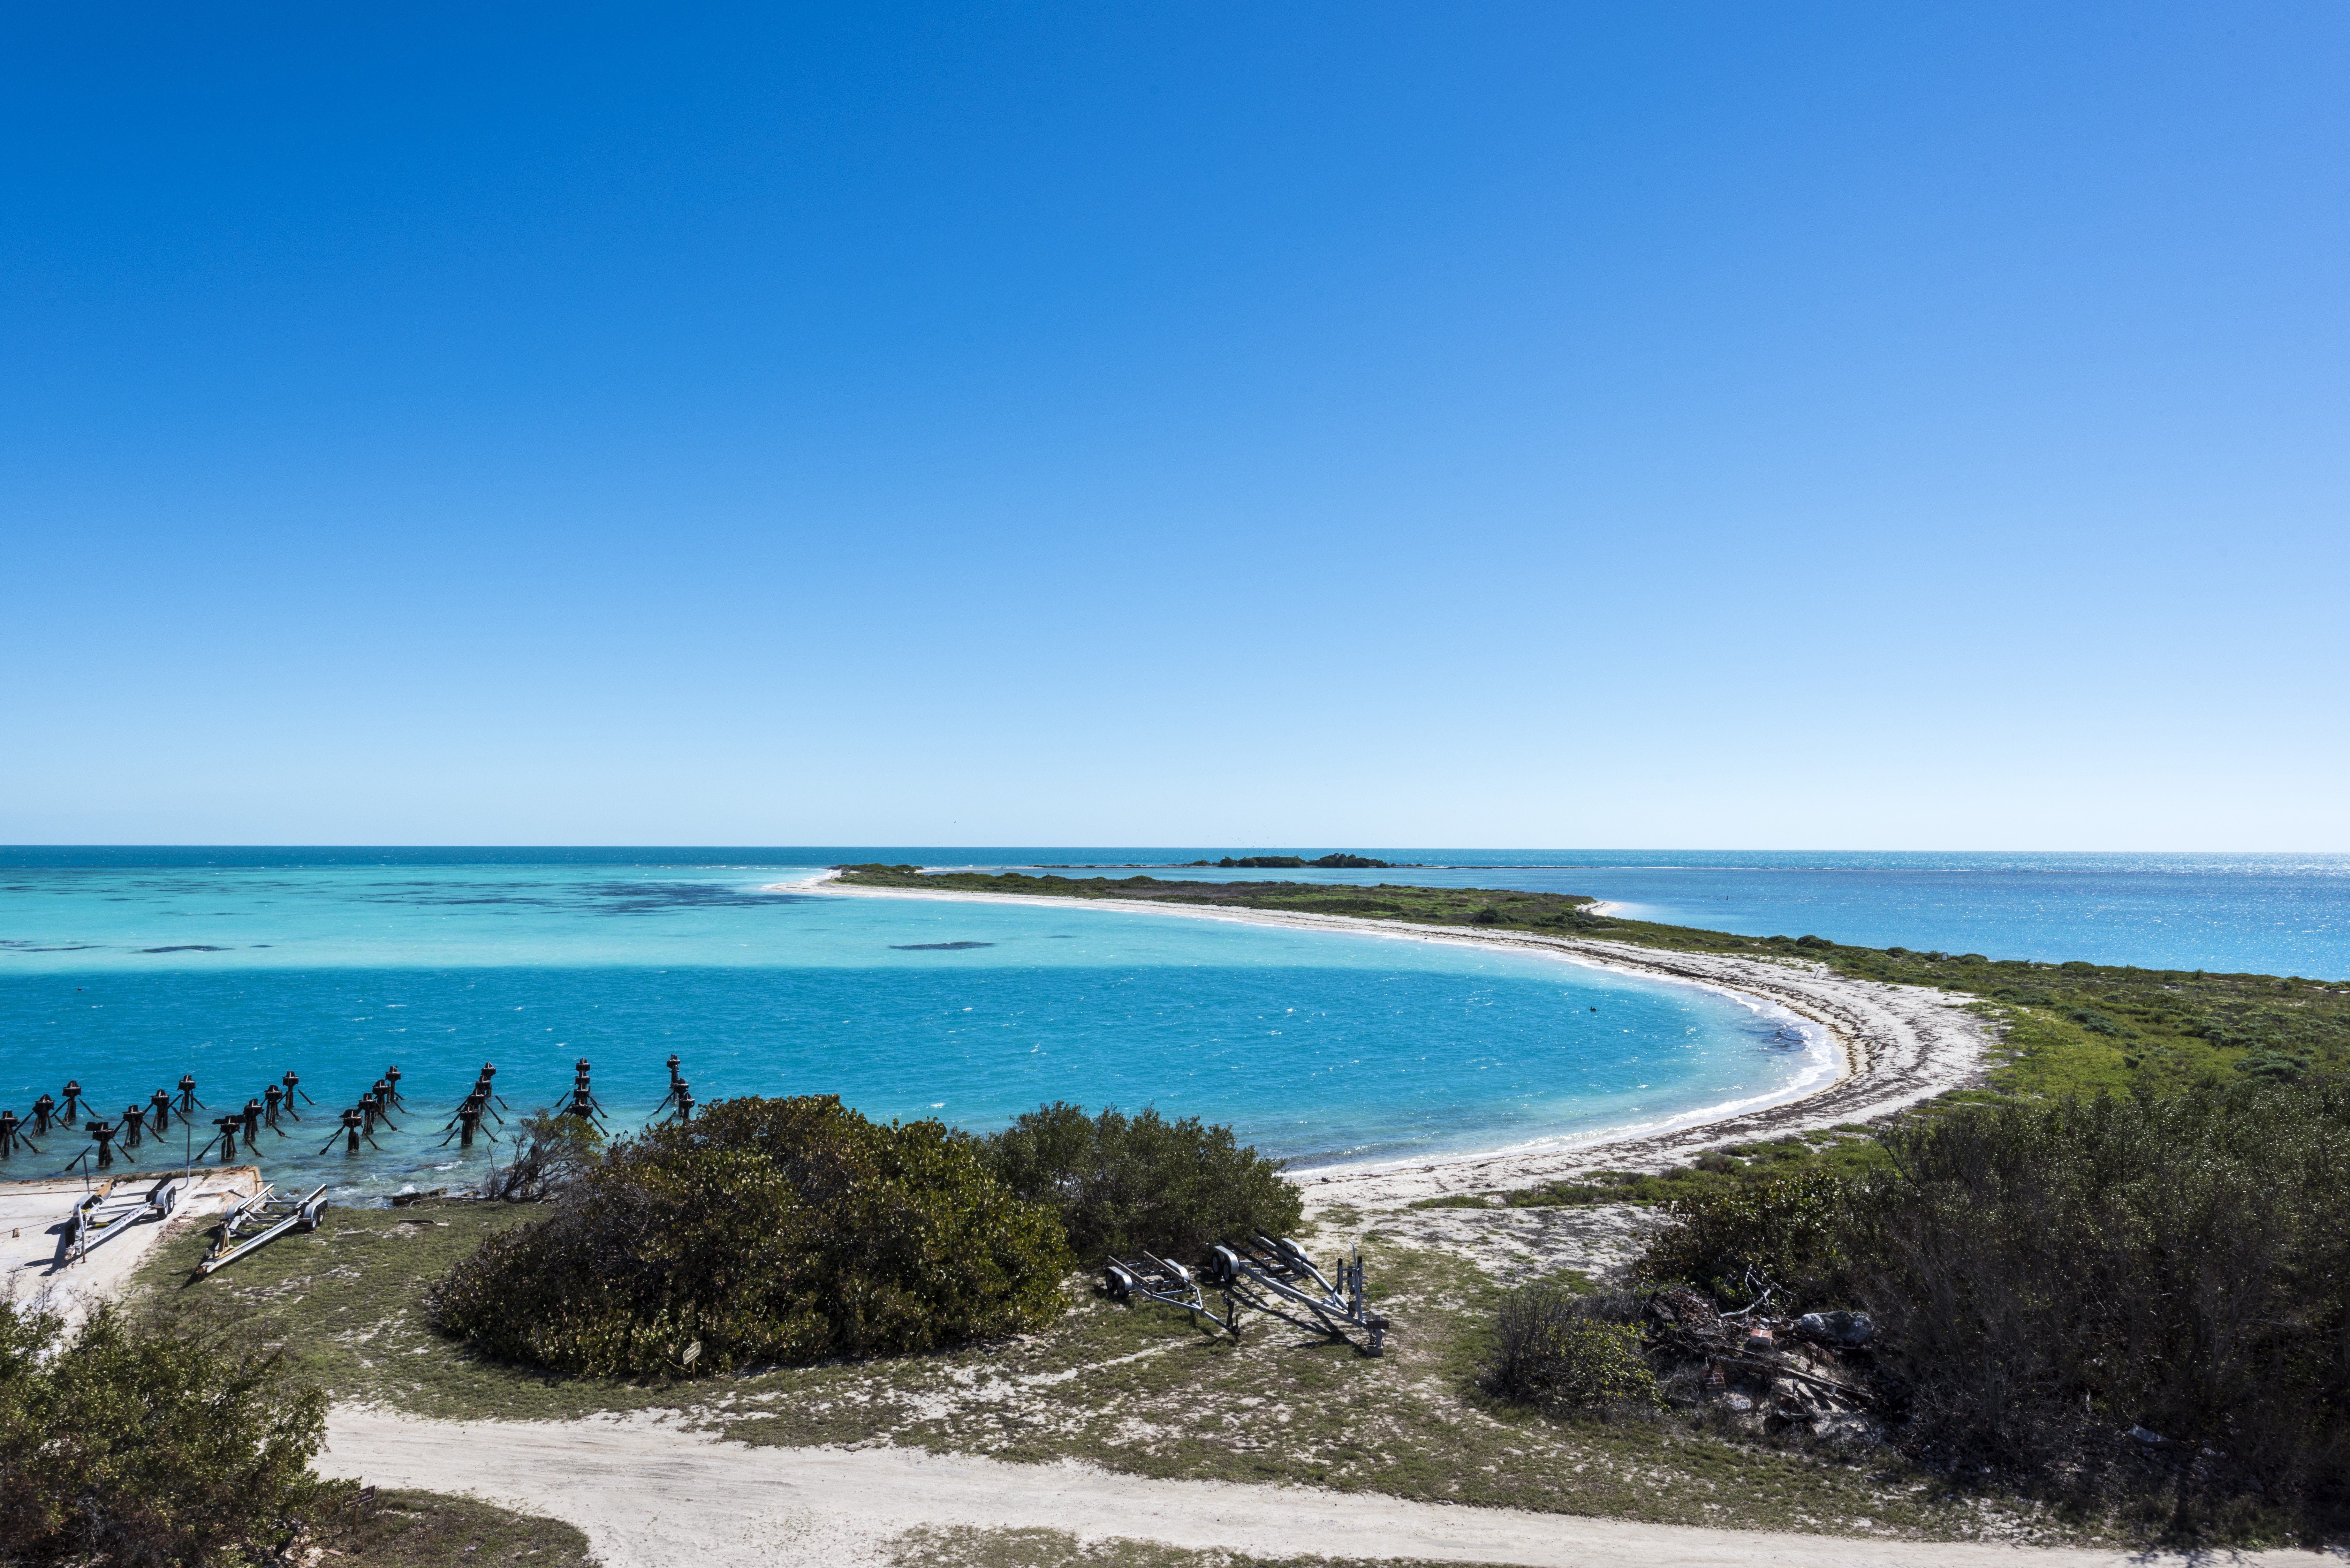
[{"x": 651, "y": 1496}]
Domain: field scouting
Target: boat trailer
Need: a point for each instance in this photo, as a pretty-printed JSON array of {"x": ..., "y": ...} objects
[
  {"x": 1270, "y": 1274},
  {"x": 279, "y": 1214},
  {"x": 105, "y": 1214}
]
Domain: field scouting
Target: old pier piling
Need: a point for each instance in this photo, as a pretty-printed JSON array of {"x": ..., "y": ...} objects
[{"x": 12, "y": 1133}]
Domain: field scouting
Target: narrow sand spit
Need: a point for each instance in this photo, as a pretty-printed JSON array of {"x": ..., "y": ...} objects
[
  {"x": 1901, "y": 1045},
  {"x": 650, "y": 1497}
]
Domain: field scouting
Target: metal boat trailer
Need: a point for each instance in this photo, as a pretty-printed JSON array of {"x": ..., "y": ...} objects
[
  {"x": 1270, "y": 1274},
  {"x": 279, "y": 1214},
  {"x": 104, "y": 1215}
]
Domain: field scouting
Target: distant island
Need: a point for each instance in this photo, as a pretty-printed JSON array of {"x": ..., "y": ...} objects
[{"x": 1339, "y": 862}]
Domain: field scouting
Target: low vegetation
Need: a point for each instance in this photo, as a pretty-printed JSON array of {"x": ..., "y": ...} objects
[
  {"x": 765, "y": 1230},
  {"x": 1845, "y": 1150},
  {"x": 433, "y": 1529},
  {"x": 151, "y": 1445},
  {"x": 1125, "y": 1184},
  {"x": 1560, "y": 1348},
  {"x": 967, "y": 1546},
  {"x": 2110, "y": 1298}
]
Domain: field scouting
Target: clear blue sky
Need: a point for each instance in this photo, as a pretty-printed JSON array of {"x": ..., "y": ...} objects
[{"x": 1875, "y": 426}]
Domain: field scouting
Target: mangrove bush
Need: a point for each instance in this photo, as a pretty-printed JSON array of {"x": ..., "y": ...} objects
[
  {"x": 1125, "y": 1184},
  {"x": 764, "y": 1231},
  {"x": 150, "y": 1447},
  {"x": 2049, "y": 1279}
]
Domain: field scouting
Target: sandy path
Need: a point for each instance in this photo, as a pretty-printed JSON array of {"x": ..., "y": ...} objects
[
  {"x": 649, "y": 1495},
  {"x": 1901, "y": 1045}
]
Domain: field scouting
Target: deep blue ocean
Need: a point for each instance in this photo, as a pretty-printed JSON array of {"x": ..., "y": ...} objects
[{"x": 124, "y": 968}]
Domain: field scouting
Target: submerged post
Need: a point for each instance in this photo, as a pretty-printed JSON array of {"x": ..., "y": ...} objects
[
  {"x": 44, "y": 1111},
  {"x": 103, "y": 1131},
  {"x": 161, "y": 1103},
  {"x": 73, "y": 1106},
  {"x": 134, "y": 1123},
  {"x": 188, "y": 1101}
]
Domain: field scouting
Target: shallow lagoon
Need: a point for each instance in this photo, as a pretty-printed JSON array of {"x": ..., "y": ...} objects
[{"x": 1319, "y": 1046}]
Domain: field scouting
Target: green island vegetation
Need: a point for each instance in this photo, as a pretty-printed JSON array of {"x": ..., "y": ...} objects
[
  {"x": 1339, "y": 861},
  {"x": 1123, "y": 1185},
  {"x": 775, "y": 1231},
  {"x": 122, "y": 1442}
]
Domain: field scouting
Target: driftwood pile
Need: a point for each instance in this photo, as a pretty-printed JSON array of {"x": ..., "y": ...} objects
[{"x": 1773, "y": 1372}]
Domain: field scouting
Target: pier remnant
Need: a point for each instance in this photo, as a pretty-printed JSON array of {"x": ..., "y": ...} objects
[
  {"x": 583, "y": 1096},
  {"x": 225, "y": 1138},
  {"x": 134, "y": 1124},
  {"x": 681, "y": 1093},
  {"x": 44, "y": 1111},
  {"x": 161, "y": 1102},
  {"x": 73, "y": 1107},
  {"x": 188, "y": 1101},
  {"x": 292, "y": 1087},
  {"x": 12, "y": 1133},
  {"x": 353, "y": 1128},
  {"x": 103, "y": 1132}
]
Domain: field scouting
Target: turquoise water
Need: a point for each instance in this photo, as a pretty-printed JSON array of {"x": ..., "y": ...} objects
[
  {"x": 1322, "y": 1047},
  {"x": 2264, "y": 914}
]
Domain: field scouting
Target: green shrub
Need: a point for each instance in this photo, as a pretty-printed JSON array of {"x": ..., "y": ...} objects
[
  {"x": 1558, "y": 1349},
  {"x": 151, "y": 1447},
  {"x": 1786, "y": 1231},
  {"x": 1124, "y": 1184},
  {"x": 766, "y": 1230},
  {"x": 2044, "y": 1276}
]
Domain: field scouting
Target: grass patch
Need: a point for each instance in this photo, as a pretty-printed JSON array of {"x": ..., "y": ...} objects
[
  {"x": 433, "y": 1530},
  {"x": 1844, "y": 1152}
]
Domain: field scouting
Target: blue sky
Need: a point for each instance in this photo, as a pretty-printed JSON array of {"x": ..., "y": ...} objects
[{"x": 1508, "y": 425}]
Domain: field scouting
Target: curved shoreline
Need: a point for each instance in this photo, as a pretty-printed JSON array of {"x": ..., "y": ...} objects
[{"x": 1901, "y": 1045}]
